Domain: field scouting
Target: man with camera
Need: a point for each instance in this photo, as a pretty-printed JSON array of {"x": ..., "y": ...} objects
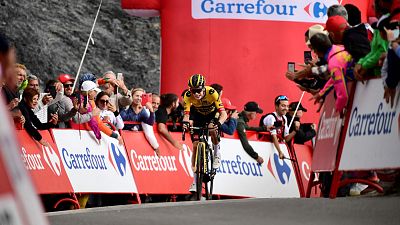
[
  {"x": 279, "y": 122},
  {"x": 306, "y": 132}
]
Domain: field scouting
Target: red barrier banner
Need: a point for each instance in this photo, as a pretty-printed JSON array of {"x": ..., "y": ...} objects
[
  {"x": 328, "y": 135},
  {"x": 170, "y": 173},
  {"x": 304, "y": 154},
  {"x": 44, "y": 164}
]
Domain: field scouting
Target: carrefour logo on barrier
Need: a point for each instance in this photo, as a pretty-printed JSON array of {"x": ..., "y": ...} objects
[
  {"x": 52, "y": 160},
  {"x": 240, "y": 167},
  {"x": 276, "y": 10},
  {"x": 117, "y": 159},
  {"x": 378, "y": 122},
  {"x": 279, "y": 170}
]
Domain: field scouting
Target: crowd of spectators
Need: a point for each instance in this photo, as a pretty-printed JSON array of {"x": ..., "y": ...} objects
[{"x": 343, "y": 50}]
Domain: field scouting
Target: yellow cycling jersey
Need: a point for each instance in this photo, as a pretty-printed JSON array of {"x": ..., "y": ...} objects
[{"x": 208, "y": 104}]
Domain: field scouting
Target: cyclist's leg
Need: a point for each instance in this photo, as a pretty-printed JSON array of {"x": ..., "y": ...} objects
[{"x": 216, "y": 148}]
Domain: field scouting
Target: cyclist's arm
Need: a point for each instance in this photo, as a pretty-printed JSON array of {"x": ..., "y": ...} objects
[
  {"x": 186, "y": 106},
  {"x": 245, "y": 143},
  {"x": 222, "y": 117}
]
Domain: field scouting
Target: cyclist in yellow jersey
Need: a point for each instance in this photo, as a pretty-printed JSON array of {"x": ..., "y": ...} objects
[{"x": 201, "y": 104}]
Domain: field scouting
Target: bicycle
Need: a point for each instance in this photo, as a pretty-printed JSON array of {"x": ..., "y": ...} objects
[{"x": 204, "y": 160}]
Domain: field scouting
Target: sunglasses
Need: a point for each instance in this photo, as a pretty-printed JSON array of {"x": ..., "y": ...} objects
[
  {"x": 68, "y": 85},
  {"x": 196, "y": 90},
  {"x": 281, "y": 98},
  {"x": 104, "y": 101}
]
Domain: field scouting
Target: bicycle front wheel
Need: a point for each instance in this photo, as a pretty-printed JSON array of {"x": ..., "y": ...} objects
[{"x": 200, "y": 169}]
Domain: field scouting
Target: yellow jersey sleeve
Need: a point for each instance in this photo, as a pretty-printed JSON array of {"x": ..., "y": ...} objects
[{"x": 187, "y": 102}]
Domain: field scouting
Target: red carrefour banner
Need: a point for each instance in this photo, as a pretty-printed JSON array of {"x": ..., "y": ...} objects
[
  {"x": 44, "y": 164},
  {"x": 304, "y": 155},
  {"x": 170, "y": 173}
]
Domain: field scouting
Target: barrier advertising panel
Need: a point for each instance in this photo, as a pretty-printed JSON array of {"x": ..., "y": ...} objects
[
  {"x": 170, "y": 173},
  {"x": 44, "y": 164},
  {"x": 92, "y": 165},
  {"x": 373, "y": 137},
  {"x": 240, "y": 175},
  {"x": 304, "y": 154},
  {"x": 328, "y": 135}
]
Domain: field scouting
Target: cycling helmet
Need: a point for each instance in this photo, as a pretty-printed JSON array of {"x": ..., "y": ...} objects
[{"x": 197, "y": 81}]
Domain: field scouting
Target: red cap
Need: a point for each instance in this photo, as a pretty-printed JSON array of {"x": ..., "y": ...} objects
[
  {"x": 227, "y": 104},
  {"x": 336, "y": 24},
  {"x": 63, "y": 78}
]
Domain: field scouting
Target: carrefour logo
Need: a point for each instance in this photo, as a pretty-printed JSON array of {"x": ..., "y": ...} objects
[
  {"x": 316, "y": 9},
  {"x": 84, "y": 161},
  {"x": 117, "y": 159},
  {"x": 52, "y": 159},
  {"x": 279, "y": 169},
  {"x": 185, "y": 159}
]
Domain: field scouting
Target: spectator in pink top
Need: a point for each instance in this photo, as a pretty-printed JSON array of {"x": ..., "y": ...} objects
[{"x": 339, "y": 63}]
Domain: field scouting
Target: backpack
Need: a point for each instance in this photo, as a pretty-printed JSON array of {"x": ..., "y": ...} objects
[
  {"x": 355, "y": 41},
  {"x": 261, "y": 123}
]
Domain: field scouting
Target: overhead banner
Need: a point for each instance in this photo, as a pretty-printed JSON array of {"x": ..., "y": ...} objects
[
  {"x": 171, "y": 173},
  {"x": 241, "y": 175},
  {"x": 44, "y": 164},
  {"x": 373, "y": 134},
  {"x": 274, "y": 10},
  {"x": 92, "y": 165}
]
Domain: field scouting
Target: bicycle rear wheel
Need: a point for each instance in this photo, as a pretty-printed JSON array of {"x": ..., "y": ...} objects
[
  {"x": 199, "y": 169},
  {"x": 209, "y": 184}
]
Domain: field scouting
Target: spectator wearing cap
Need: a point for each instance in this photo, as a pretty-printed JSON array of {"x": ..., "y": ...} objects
[
  {"x": 68, "y": 83},
  {"x": 249, "y": 113},
  {"x": 230, "y": 124},
  {"x": 338, "y": 64},
  {"x": 65, "y": 108},
  {"x": 306, "y": 132},
  {"x": 169, "y": 104},
  {"x": 279, "y": 122},
  {"x": 111, "y": 85}
]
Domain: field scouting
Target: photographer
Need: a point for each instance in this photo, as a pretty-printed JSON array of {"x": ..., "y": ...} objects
[{"x": 306, "y": 131}]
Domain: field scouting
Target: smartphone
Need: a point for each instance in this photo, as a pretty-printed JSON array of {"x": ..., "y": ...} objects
[
  {"x": 146, "y": 97},
  {"x": 307, "y": 57},
  {"x": 291, "y": 66},
  {"x": 120, "y": 76},
  {"x": 53, "y": 91},
  {"x": 278, "y": 124}
]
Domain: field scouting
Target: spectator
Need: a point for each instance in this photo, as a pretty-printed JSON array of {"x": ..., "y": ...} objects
[
  {"x": 7, "y": 58},
  {"x": 21, "y": 74},
  {"x": 249, "y": 113},
  {"x": 354, "y": 14},
  {"x": 65, "y": 108},
  {"x": 279, "y": 122},
  {"x": 108, "y": 112},
  {"x": 169, "y": 103},
  {"x": 230, "y": 124},
  {"x": 10, "y": 91},
  {"x": 313, "y": 76},
  {"x": 29, "y": 101},
  {"x": 33, "y": 82},
  {"x": 338, "y": 62},
  {"x": 68, "y": 83},
  {"x": 89, "y": 91},
  {"x": 218, "y": 88},
  {"x": 337, "y": 10},
  {"x": 111, "y": 84},
  {"x": 143, "y": 114},
  {"x": 378, "y": 46},
  {"x": 155, "y": 101},
  {"x": 354, "y": 39},
  {"x": 306, "y": 131}
]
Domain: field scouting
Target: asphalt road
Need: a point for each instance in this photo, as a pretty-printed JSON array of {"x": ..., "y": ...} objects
[{"x": 341, "y": 211}]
